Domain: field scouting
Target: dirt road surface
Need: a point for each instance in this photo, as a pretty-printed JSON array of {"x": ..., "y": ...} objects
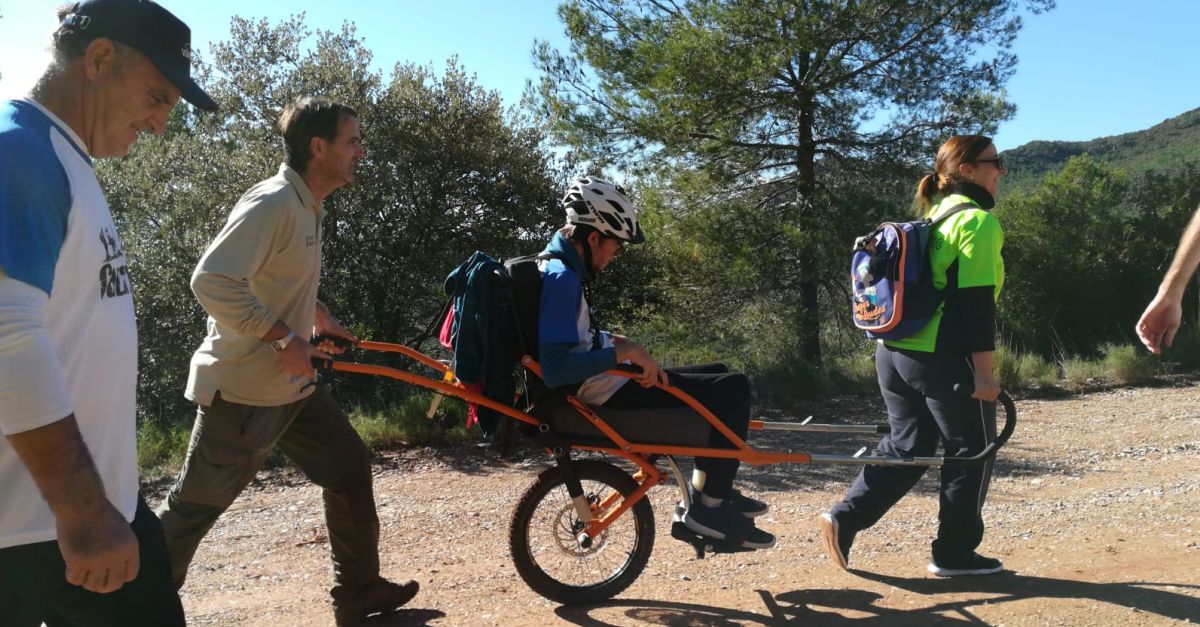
[{"x": 1094, "y": 508}]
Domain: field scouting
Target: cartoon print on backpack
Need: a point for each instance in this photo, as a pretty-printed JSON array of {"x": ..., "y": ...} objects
[{"x": 892, "y": 293}]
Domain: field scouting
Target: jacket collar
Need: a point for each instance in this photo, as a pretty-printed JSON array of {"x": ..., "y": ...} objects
[
  {"x": 974, "y": 192},
  {"x": 306, "y": 196},
  {"x": 561, "y": 247}
]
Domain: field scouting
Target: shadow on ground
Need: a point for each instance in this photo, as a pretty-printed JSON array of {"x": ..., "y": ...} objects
[
  {"x": 858, "y": 607},
  {"x": 403, "y": 618}
]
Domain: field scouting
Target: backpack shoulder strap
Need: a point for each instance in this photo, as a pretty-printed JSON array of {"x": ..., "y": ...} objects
[{"x": 963, "y": 206}]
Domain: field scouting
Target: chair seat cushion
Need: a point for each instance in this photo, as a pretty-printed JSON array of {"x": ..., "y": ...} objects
[{"x": 678, "y": 426}]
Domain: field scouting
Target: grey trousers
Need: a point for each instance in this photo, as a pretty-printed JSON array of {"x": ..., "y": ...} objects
[{"x": 229, "y": 444}]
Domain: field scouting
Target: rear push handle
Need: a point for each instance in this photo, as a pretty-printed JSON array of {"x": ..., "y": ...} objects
[
  {"x": 325, "y": 365},
  {"x": 861, "y": 458},
  {"x": 989, "y": 451}
]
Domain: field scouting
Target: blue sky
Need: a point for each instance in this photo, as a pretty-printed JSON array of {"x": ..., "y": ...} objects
[{"x": 1089, "y": 68}]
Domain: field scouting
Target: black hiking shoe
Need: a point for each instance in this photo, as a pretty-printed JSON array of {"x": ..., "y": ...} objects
[
  {"x": 378, "y": 596},
  {"x": 747, "y": 506},
  {"x": 973, "y": 564},
  {"x": 725, "y": 523},
  {"x": 837, "y": 540}
]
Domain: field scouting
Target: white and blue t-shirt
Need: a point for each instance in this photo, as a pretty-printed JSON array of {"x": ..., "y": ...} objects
[{"x": 68, "y": 337}]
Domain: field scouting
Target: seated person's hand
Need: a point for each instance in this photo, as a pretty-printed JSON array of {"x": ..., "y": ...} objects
[{"x": 636, "y": 354}]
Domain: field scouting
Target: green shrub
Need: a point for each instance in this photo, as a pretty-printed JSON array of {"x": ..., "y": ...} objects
[
  {"x": 789, "y": 381},
  {"x": 1006, "y": 365},
  {"x": 1078, "y": 371},
  {"x": 160, "y": 448},
  {"x": 1016, "y": 371},
  {"x": 853, "y": 373},
  {"x": 1037, "y": 371},
  {"x": 405, "y": 422},
  {"x": 1125, "y": 364}
]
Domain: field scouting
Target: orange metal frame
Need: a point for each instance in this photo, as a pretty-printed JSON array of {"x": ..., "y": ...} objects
[{"x": 647, "y": 476}]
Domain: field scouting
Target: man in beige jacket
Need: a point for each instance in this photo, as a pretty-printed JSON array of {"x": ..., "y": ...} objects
[{"x": 252, "y": 375}]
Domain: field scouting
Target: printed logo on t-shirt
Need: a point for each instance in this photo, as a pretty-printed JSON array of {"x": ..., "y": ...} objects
[{"x": 114, "y": 274}]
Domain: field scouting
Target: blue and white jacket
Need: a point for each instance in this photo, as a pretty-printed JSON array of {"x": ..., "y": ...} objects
[{"x": 565, "y": 336}]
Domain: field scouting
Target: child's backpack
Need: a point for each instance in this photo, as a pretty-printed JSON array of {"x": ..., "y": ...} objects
[
  {"x": 488, "y": 298},
  {"x": 891, "y": 280}
]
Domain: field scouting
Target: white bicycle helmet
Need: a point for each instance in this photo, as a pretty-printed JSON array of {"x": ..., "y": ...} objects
[{"x": 603, "y": 206}]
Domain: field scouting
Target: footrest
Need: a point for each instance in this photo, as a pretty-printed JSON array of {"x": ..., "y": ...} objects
[{"x": 701, "y": 543}]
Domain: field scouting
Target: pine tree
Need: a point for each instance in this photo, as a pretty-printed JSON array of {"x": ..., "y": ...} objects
[{"x": 781, "y": 101}]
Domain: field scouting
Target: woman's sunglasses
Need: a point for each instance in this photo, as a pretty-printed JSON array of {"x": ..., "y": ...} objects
[{"x": 998, "y": 161}]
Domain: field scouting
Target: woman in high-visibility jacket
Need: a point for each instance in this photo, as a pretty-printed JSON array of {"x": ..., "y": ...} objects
[{"x": 917, "y": 374}]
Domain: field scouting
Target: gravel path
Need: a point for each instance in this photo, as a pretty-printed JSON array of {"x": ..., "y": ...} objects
[{"x": 1094, "y": 508}]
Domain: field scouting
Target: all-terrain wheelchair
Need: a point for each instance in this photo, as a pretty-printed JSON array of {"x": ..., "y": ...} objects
[{"x": 584, "y": 530}]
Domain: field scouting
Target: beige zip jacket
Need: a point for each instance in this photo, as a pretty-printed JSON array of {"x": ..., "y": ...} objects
[{"x": 265, "y": 265}]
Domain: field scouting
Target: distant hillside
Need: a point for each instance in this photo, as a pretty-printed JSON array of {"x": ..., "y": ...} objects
[{"x": 1161, "y": 147}]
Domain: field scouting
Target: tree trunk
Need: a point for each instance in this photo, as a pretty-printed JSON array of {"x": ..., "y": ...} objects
[
  {"x": 809, "y": 315},
  {"x": 808, "y": 323}
]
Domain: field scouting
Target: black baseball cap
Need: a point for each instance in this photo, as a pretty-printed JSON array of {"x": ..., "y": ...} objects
[{"x": 151, "y": 30}]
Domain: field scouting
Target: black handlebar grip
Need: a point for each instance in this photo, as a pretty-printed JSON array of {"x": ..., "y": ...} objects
[{"x": 339, "y": 342}]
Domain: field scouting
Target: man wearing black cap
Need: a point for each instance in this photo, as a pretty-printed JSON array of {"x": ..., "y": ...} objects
[{"x": 77, "y": 543}]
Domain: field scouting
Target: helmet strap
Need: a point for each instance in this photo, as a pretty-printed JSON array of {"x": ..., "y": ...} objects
[{"x": 587, "y": 260}]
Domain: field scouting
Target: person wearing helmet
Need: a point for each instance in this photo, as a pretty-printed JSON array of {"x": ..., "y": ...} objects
[{"x": 601, "y": 221}]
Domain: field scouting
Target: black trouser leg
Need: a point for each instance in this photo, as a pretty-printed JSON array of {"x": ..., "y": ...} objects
[
  {"x": 968, "y": 425},
  {"x": 923, "y": 409},
  {"x": 34, "y": 588},
  {"x": 913, "y": 432},
  {"x": 726, "y": 394}
]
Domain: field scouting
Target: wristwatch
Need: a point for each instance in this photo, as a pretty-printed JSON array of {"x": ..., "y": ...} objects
[{"x": 282, "y": 343}]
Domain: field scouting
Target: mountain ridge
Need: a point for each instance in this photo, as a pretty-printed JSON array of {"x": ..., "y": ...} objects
[{"x": 1162, "y": 147}]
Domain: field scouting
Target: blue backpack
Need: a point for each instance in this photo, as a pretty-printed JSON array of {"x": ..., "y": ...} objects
[{"x": 891, "y": 279}]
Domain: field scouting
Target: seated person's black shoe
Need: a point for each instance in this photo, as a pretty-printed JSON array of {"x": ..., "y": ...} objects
[
  {"x": 748, "y": 506},
  {"x": 725, "y": 523}
]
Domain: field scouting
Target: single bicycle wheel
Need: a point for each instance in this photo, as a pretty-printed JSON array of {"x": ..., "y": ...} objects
[{"x": 543, "y": 537}]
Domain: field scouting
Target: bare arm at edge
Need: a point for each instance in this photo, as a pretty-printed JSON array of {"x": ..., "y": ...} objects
[
  {"x": 1163, "y": 316},
  {"x": 97, "y": 544}
]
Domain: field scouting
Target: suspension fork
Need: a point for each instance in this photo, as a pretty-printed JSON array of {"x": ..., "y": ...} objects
[{"x": 583, "y": 509}]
